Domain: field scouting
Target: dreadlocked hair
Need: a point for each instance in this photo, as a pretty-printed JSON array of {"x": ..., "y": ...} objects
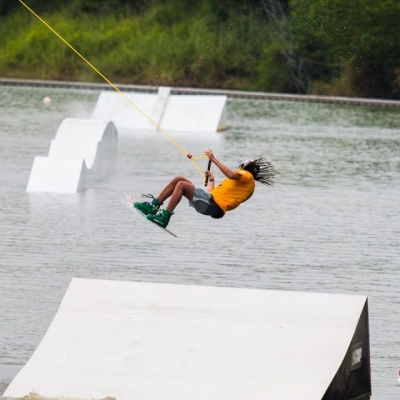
[{"x": 266, "y": 171}]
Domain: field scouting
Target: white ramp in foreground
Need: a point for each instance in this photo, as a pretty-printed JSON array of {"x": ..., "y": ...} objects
[
  {"x": 177, "y": 113},
  {"x": 82, "y": 153},
  {"x": 149, "y": 341}
]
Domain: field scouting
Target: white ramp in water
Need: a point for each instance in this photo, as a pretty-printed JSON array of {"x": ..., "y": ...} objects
[
  {"x": 189, "y": 113},
  {"x": 82, "y": 153},
  {"x": 149, "y": 341}
]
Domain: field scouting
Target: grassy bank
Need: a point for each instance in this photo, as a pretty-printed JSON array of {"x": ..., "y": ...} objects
[
  {"x": 227, "y": 44},
  {"x": 157, "y": 47}
]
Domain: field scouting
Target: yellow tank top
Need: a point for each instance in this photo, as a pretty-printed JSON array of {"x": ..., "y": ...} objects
[{"x": 231, "y": 193}]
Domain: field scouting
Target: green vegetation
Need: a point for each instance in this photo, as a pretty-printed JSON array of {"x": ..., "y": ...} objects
[
  {"x": 351, "y": 46},
  {"x": 340, "y": 47}
]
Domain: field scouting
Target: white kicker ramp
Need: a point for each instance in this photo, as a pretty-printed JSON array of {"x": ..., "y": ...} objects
[
  {"x": 189, "y": 113},
  {"x": 149, "y": 341},
  {"x": 82, "y": 153}
]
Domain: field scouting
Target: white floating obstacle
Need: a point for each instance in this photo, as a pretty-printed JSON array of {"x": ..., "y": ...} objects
[
  {"x": 82, "y": 152},
  {"x": 145, "y": 341},
  {"x": 173, "y": 113}
]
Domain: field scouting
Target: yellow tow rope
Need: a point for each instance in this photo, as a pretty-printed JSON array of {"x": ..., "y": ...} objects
[{"x": 193, "y": 159}]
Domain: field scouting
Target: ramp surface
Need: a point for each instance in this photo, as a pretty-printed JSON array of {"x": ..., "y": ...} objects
[
  {"x": 131, "y": 340},
  {"x": 177, "y": 113},
  {"x": 82, "y": 153}
]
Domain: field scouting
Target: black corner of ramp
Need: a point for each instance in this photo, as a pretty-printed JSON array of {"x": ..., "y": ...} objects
[{"x": 353, "y": 379}]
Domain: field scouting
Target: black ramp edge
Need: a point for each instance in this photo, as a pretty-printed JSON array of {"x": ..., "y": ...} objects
[{"x": 353, "y": 379}]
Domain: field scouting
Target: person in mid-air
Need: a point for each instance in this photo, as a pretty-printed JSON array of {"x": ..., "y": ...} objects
[{"x": 238, "y": 187}]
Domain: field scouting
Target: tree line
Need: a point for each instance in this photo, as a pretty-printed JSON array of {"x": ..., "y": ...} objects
[{"x": 330, "y": 47}]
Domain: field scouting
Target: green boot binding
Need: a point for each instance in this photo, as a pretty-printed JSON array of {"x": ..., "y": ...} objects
[
  {"x": 161, "y": 218},
  {"x": 146, "y": 207}
]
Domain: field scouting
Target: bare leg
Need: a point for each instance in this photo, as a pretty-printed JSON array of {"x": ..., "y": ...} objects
[
  {"x": 182, "y": 188},
  {"x": 169, "y": 189}
]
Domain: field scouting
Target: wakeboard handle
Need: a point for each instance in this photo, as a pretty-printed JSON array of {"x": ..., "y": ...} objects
[{"x": 208, "y": 168}]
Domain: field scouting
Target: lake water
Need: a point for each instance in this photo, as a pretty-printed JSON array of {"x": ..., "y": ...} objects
[{"x": 331, "y": 224}]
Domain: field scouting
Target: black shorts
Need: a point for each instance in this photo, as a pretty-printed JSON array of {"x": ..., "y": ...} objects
[{"x": 214, "y": 210}]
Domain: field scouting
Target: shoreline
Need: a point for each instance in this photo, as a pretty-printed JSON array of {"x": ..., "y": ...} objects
[{"x": 185, "y": 91}]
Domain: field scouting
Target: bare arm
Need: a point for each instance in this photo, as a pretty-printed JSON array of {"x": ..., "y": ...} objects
[
  {"x": 211, "y": 182},
  {"x": 223, "y": 168}
]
